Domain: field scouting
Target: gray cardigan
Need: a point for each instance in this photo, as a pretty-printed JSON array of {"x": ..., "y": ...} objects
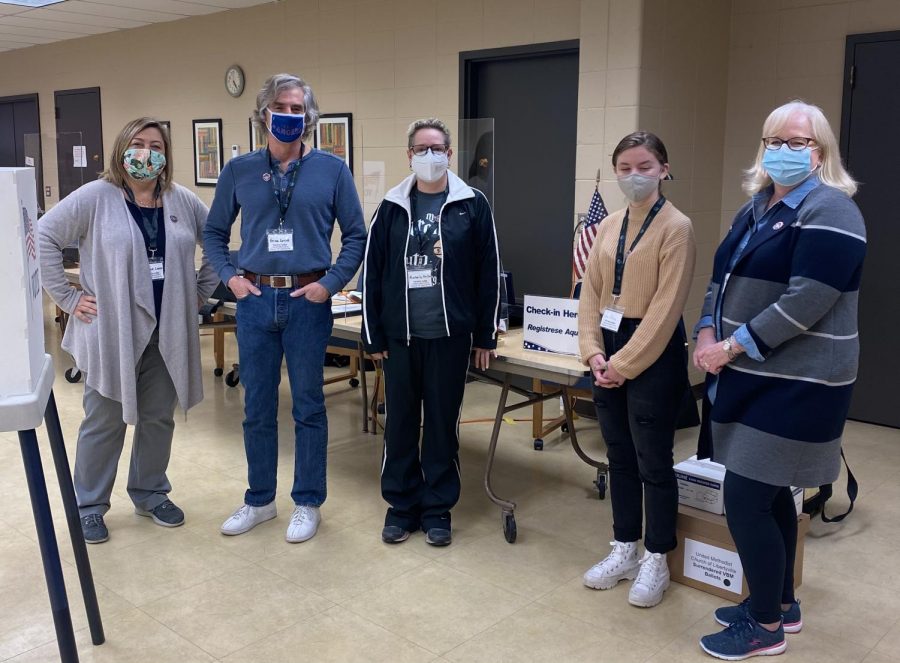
[{"x": 115, "y": 270}]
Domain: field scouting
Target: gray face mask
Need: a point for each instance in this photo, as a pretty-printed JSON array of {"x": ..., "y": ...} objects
[{"x": 637, "y": 187}]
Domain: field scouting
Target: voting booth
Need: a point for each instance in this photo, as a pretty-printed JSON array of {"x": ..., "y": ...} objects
[
  {"x": 27, "y": 373},
  {"x": 26, "y": 399}
]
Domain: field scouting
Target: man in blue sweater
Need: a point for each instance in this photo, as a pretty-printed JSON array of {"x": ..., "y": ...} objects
[{"x": 289, "y": 196}]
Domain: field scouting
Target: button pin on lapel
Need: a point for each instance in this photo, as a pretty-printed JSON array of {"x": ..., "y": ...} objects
[
  {"x": 173, "y": 218},
  {"x": 778, "y": 226},
  {"x": 266, "y": 177}
]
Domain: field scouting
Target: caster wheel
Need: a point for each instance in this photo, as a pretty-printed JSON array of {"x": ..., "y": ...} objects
[
  {"x": 601, "y": 484},
  {"x": 218, "y": 372},
  {"x": 73, "y": 375},
  {"x": 381, "y": 408},
  {"x": 354, "y": 383},
  {"x": 509, "y": 527},
  {"x": 232, "y": 379},
  {"x": 564, "y": 428},
  {"x": 538, "y": 444}
]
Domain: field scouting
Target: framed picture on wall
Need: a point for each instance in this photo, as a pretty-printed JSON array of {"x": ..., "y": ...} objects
[
  {"x": 334, "y": 134},
  {"x": 257, "y": 136},
  {"x": 208, "y": 152}
]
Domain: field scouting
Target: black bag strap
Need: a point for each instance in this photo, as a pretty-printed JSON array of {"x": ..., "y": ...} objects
[{"x": 852, "y": 492}]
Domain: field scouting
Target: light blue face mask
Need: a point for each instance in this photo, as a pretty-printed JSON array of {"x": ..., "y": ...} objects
[
  {"x": 286, "y": 127},
  {"x": 788, "y": 167}
]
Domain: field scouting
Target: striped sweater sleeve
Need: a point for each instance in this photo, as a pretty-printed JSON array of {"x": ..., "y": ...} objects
[{"x": 826, "y": 263}]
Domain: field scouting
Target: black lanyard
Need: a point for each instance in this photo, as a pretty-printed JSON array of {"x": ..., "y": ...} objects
[
  {"x": 620, "y": 251},
  {"x": 284, "y": 203},
  {"x": 151, "y": 220}
]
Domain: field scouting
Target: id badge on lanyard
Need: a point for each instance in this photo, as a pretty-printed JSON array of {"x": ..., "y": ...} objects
[
  {"x": 419, "y": 277},
  {"x": 612, "y": 318},
  {"x": 157, "y": 269},
  {"x": 280, "y": 239}
]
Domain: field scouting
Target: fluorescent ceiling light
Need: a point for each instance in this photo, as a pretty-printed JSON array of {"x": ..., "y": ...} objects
[{"x": 30, "y": 3}]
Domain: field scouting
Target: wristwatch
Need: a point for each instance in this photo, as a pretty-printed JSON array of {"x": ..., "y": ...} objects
[{"x": 728, "y": 347}]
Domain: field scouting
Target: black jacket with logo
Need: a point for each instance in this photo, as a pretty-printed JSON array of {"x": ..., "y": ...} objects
[{"x": 470, "y": 267}]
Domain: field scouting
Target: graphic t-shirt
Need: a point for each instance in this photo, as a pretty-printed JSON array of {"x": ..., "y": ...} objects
[{"x": 423, "y": 265}]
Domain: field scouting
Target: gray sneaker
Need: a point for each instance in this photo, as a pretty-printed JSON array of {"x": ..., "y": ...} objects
[
  {"x": 93, "y": 528},
  {"x": 165, "y": 514}
]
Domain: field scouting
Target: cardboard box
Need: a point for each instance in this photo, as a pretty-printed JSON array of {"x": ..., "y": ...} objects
[
  {"x": 701, "y": 484},
  {"x": 22, "y": 350},
  {"x": 706, "y": 557}
]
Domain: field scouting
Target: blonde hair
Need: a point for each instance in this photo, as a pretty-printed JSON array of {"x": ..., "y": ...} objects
[
  {"x": 427, "y": 123},
  {"x": 830, "y": 171},
  {"x": 115, "y": 171}
]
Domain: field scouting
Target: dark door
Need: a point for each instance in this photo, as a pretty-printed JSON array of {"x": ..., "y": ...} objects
[
  {"x": 20, "y": 136},
  {"x": 870, "y": 143},
  {"x": 531, "y": 92},
  {"x": 79, "y": 138}
]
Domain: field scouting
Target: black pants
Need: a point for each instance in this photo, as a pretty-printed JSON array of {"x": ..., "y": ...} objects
[
  {"x": 638, "y": 423},
  {"x": 763, "y": 523},
  {"x": 422, "y": 484}
]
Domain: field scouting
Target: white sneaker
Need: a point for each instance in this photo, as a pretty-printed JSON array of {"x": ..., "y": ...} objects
[
  {"x": 621, "y": 564},
  {"x": 652, "y": 580},
  {"x": 248, "y": 517},
  {"x": 304, "y": 523}
]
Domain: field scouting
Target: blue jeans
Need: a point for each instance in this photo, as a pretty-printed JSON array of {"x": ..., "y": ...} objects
[{"x": 269, "y": 327}]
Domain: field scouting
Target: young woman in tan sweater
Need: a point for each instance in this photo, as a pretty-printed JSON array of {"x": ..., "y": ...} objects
[{"x": 632, "y": 337}]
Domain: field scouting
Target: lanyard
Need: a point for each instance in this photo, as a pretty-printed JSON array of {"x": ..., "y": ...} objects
[
  {"x": 151, "y": 220},
  {"x": 284, "y": 202},
  {"x": 620, "y": 251}
]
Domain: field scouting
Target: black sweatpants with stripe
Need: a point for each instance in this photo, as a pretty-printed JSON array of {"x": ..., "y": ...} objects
[{"x": 420, "y": 476}]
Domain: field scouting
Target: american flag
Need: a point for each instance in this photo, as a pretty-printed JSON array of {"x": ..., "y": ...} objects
[{"x": 596, "y": 213}]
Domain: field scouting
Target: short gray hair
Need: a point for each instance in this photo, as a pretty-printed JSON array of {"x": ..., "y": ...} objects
[
  {"x": 428, "y": 123},
  {"x": 274, "y": 86}
]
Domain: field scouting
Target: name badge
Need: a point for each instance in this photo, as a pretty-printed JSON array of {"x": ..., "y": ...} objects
[
  {"x": 419, "y": 278},
  {"x": 280, "y": 239},
  {"x": 157, "y": 269},
  {"x": 612, "y": 318}
]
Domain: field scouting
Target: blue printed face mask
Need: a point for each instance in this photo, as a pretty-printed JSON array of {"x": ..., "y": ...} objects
[
  {"x": 286, "y": 127},
  {"x": 788, "y": 167}
]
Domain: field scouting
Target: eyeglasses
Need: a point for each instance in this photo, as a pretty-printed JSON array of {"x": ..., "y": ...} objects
[
  {"x": 422, "y": 150},
  {"x": 796, "y": 143}
]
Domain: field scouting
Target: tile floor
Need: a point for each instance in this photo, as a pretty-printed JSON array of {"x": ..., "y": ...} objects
[{"x": 189, "y": 594}]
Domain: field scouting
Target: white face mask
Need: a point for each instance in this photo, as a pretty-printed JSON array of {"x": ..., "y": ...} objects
[
  {"x": 430, "y": 167},
  {"x": 637, "y": 187}
]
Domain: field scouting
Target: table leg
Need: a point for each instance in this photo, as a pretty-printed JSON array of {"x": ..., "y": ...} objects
[
  {"x": 43, "y": 521},
  {"x": 67, "y": 491},
  {"x": 602, "y": 468},
  {"x": 219, "y": 344},
  {"x": 507, "y": 514}
]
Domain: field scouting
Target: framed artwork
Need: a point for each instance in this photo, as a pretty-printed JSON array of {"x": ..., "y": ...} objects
[
  {"x": 334, "y": 134},
  {"x": 257, "y": 136},
  {"x": 208, "y": 153}
]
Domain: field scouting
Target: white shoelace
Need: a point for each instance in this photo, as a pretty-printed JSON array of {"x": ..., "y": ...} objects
[
  {"x": 649, "y": 574},
  {"x": 299, "y": 516},
  {"x": 240, "y": 513},
  {"x": 616, "y": 557}
]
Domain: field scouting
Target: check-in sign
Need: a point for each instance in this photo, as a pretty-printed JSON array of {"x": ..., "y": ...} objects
[{"x": 551, "y": 324}]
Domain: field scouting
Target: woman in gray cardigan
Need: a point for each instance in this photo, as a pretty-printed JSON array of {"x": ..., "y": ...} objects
[{"x": 133, "y": 326}]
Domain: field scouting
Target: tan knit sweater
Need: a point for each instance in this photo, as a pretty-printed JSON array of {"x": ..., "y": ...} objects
[{"x": 655, "y": 285}]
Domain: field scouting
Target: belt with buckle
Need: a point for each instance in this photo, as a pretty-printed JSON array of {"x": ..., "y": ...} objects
[{"x": 292, "y": 281}]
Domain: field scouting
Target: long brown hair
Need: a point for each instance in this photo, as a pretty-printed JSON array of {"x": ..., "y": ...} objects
[{"x": 115, "y": 171}]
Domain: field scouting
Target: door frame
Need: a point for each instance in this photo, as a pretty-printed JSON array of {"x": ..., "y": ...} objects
[
  {"x": 847, "y": 96},
  {"x": 468, "y": 59},
  {"x": 63, "y": 93},
  {"x": 39, "y": 175}
]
